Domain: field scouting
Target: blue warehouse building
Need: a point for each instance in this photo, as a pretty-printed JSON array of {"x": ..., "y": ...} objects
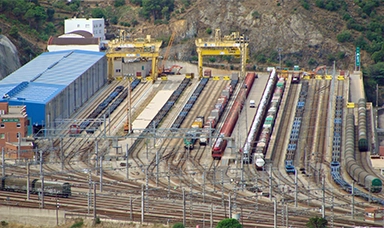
[{"x": 55, "y": 84}]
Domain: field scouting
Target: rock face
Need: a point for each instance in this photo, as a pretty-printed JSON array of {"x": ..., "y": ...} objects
[
  {"x": 300, "y": 34},
  {"x": 9, "y": 60}
]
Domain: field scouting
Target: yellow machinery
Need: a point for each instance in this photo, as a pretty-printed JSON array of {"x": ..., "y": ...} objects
[
  {"x": 138, "y": 48},
  {"x": 233, "y": 44}
]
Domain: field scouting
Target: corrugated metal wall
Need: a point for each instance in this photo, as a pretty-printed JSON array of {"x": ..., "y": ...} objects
[{"x": 78, "y": 92}]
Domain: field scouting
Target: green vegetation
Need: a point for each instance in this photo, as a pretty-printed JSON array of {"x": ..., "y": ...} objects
[
  {"x": 208, "y": 31},
  {"x": 255, "y": 14},
  {"x": 4, "y": 223},
  {"x": 317, "y": 222},
  {"x": 79, "y": 223},
  {"x": 229, "y": 223},
  {"x": 178, "y": 225},
  {"x": 344, "y": 36}
]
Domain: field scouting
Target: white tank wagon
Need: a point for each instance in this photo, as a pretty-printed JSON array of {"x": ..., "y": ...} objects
[{"x": 257, "y": 120}]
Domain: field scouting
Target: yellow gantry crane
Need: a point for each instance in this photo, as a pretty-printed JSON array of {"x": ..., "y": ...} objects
[
  {"x": 233, "y": 44},
  {"x": 138, "y": 48}
]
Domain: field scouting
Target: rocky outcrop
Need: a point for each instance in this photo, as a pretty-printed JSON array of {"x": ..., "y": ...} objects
[{"x": 9, "y": 60}]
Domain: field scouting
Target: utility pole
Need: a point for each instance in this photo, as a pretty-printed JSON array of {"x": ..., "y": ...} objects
[
  {"x": 270, "y": 182},
  {"x": 101, "y": 173},
  {"x": 42, "y": 179},
  {"x": 126, "y": 161},
  {"x": 28, "y": 180},
  {"x": 184, "y": 222},
  {"x": 295, "y": 187},
  {"x": 2, "y": 162},
  {"x": 323, "y": 200},
  {"x": 94, "y": 203},
  {"x": 142, "y": 204},
  {"x": 274, "y": 213}
]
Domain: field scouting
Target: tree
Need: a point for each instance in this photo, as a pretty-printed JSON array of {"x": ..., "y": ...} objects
[
  {"x": 178, "y": 225},
  {"x": 317, "y": 222},
  {"x": 119, "y": 3},
  {"x": 97, "y": 13},
  {"x": 229, "y": 223},
  {"x": 50, "y": 13}
]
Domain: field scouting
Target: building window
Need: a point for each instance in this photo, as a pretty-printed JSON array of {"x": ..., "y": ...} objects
[
  {"x": 78, "y": 25},
  {"x": 99, "y": 31},
  {"x": 87, "y": 26},
  {"x": 18, "y": 134},
  {"x": 2, "y": 125},
  {"x": 2, "y": 135},
  {"x": 118, "y": 70},
  {"x": 18, "y": 125}
]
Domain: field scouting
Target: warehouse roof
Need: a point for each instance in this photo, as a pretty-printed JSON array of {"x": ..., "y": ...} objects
[{"x": 47, "y": 75}]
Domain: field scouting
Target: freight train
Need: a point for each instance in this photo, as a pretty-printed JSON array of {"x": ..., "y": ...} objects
[
  {"x": 217, "y": 111},
  {"x": 269, "y": 122},
  {"x": 295, "y": 130},
  {"x": 101, "y": 109},
  {"x": 336, "y": 149},
  {"x": 221, "y": 143},
  {"x": 249, "y": 144},
  {"x": 51, "y": 188},
  {"x": 188, "y": 106},
  {"x": 362, "y": 125},
  {"x": 363, "y": 178}
]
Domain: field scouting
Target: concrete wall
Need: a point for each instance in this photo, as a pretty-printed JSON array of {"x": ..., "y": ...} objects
[{"x": 37, "y": 217}]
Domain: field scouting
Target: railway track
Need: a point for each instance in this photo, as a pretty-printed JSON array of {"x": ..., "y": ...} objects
[{"x": 114, "y": 201}]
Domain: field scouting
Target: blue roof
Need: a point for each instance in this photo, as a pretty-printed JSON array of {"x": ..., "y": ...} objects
[{"x": 47, "y": 75}]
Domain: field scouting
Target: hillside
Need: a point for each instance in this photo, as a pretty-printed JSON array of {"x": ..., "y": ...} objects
[{"x": 308, "y": 33}]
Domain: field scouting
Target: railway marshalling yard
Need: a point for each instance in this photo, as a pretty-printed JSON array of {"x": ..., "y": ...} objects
[{"x": 160, "y": 181}]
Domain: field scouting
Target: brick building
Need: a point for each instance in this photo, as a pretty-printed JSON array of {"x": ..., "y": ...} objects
[{"x": 13, "y": 128}]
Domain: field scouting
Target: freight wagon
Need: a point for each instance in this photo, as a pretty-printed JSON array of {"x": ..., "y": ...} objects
[{"x": 52, "y": 188}]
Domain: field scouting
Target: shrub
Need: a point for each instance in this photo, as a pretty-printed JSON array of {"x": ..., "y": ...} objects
[
  {"x": 212, "y": 59},
  {"x": 255, "y": 14},
  {"x": 344, "y": 36},
  {"x": 14, "y": 32},
  {"x": 4, "y": 223},
  {"x": 312, "y": 62},
  {"x": 119, "y": 3},
  {"x": 79, "y": 223},
  {"x": 208, "y": 31},
  {"x": 178, "y": 225}
]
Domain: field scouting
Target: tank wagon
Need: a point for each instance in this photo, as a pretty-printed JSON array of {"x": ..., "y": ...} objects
[
  {"x": 363, "y": 178},
  {"x": 217, "y": 111},
  {"x": 188, "y": 106},
  {"x": 51, "y": 188},
  {"x": 250, "y": 142},
  {"x": 335, "y": 163},
  {"x": 269, "y": 122},
  {"x": 230, "y": 122},
  {"x": 362, "y": 125},
  {"x": 295, "y": 130}
]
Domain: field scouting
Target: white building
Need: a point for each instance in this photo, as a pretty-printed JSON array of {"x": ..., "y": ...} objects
[
  {"x": 95, "y": 26},
  {"x": 77, "y": 40}
]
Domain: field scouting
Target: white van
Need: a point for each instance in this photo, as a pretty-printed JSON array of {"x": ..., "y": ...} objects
[{"x": 252, "y": 104}]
